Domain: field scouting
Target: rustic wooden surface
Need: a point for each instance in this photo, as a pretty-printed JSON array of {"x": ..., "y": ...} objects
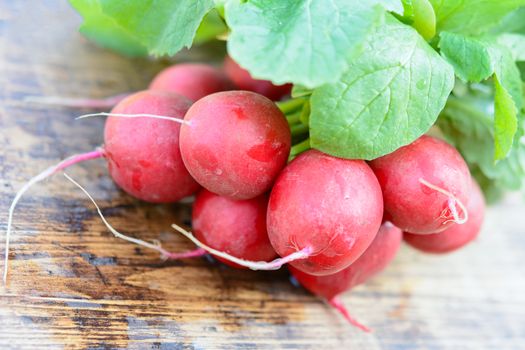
[{"x": 72, "y": 285}]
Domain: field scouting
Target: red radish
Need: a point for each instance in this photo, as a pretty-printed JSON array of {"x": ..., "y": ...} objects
[
  {"x": 235, "y": 227},
  {"x": 425, "y": 184},
  {"x": 235, "y": 143},
  {"x": 143, "y": 153},
  {"x": 375, "y": 259},
  {"x": 244, "y": 81},
  {"x": 455, "y": 236},
  {"x": 332, "y": 205},
  {"x": 193, "y": 80}
]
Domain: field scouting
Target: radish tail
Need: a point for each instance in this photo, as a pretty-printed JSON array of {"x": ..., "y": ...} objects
[
  {"x": 139, "y": 115},
  {"x": 452, "y": 203},
  {"x": 98, "y": 153},
  {"x": 93, "y": 103},
  {"x": 254, "y": 265},
  {"x": 338, "y": 305},
  {"x": 155, "y": 246}
]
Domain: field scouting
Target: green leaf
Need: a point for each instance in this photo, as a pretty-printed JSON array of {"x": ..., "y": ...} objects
[
  {"x": 470, "y": 57},
  {"x": 391, "y": 94},
  {"x": 103, "y": 30},
  {"x": 472, "y": 16},
  {"x": 505, "y": 120},
  {"x": 161, "y": 26},
  {"x": 210, "y": 28},
  {"x": 515, "y": 43},
  {"x": 421, "y": 16},
  {"x": 514, "y": 22},
  {"x": 467, "y": 123},
  {"x": 306, "y": 42},
  {"x": 507, "y": 72}
]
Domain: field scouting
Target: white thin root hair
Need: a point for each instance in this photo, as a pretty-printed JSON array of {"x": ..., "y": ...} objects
[
  {"x": 139, "y": 115},
  {"x": 98, "y": 153},
  {"x": 254, "y": 265},
  {"x": 452, "y": 202},
  {"x": 154, "y": 246}
]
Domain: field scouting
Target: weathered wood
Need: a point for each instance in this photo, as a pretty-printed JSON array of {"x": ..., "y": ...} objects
[{"x": 72, "y": 285}]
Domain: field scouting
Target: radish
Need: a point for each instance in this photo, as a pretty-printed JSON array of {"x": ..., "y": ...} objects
[
  {"x": 332, "y": 205},
  {"x": 425, "y": 186},
  {"x": 143, "y": 153},
  {"x": 235, "y": 227},
  {"x": 375, "y": 259},
  {"x": 244, "y": 81},
  {"x": 192, "y": 80},
  {"x": 455, "y": 236},
  {"x": 235, "y": 143}
]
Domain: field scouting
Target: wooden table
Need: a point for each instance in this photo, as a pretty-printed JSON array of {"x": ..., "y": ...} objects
[{"x": 73, "y": 285}]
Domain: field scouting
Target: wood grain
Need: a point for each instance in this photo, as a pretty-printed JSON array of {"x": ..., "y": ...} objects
[{"x": 73, "y": 286}]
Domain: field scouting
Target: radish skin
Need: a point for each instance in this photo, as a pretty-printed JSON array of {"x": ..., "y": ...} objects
[
  {"x": 237, "y": 227},
  {"x": 455, "y": 236},
  {"x": 235, "y": 143},
  {"x": 425, "y": 185},
  {"x": 376, "y": 258},
  {"x": 244, "y": 81},
  {"x": 330, "y": 204}
]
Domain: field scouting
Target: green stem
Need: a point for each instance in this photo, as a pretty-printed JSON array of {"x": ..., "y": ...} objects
[
  {"x": 294, "y": 118},
  {"x": 305, "y": 113},
  {"x": 300, "y": 148},
  {"x": 292, "y": 105},
  {"x": 299, "y": 129}
]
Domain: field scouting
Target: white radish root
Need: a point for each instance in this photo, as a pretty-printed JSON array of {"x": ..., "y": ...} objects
[
  {"x": 254, "y": 265},
  {"x": 77, "y": 158},
  {"x": 140, "y": 115},
  {"x": 165, "y": 254},
  {"x": 452, "y": 203}
]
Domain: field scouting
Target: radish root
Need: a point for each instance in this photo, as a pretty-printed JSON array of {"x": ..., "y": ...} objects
[
  {"x": 338, "y": 305},
  {"x": 254, "y": 265},
  {"x": 140, "y": 115},
  {"x": 77, "y": 158},
  {"x": 452, "y": 204},
  {"x": 155, "y": 245},
  {"x": 95, "y": 103}
]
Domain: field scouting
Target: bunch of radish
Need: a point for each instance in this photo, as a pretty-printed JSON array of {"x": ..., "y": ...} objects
[{"x": 262, "y": 197}]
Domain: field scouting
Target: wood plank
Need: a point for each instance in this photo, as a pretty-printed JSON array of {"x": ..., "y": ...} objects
[{"x": 72, "y": 285}]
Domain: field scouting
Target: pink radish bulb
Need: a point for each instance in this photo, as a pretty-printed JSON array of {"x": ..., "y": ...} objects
[
  {"x": 455, "y": 236},
  {"x": 244, "y": 81},
  {"x": 234, "y": 227},
  {"x": 330, "y": 204},
  {"x": 375, "y": 259},
  {"x": 235, "y": 143},
  {"x": 425, "y": 184},
  {"x": 193, "y": 80},
  {"x": 143, "y": 153}
]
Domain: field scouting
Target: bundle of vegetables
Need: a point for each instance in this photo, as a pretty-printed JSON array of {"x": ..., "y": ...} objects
[{"x": 327, "y": 178}]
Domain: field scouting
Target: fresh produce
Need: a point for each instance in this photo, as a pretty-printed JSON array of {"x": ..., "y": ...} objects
[
  {"x": 330, "y": 204},
  {"x": 244, "y": 81},
  {"x": 455, "y": 236},
  {"x": 143, "y": 153},
  {"x": 355, "y": 82},
  {"x": 376, "y": 258},
  {"x": 235, "y": 143},
  {"x": 237, "y": 227},
  {"x": 193, "y": 80},
  {"x": 426, "y": 186}
]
